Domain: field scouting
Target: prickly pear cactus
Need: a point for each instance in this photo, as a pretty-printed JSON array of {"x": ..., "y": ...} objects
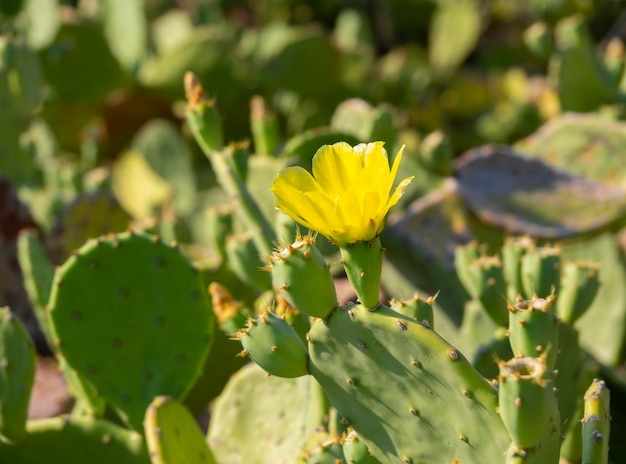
[
  {"x": 586, "y": 145},
  {"x": 363, "y": 359},
  {"x": 275, "y": 346},
  {"x": 173, "y": 435},
  {"x": 528, "y": 197},
  {"x": 596, "y": 423},
  {"x": 17, "y": 372},
  {"x": 38, "y": 277},
  {"x": 264, "y": 419},
  {"x": 133, "y": 318}
]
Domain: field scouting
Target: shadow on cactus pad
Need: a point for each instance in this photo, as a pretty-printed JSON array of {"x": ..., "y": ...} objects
[{"x": 526, "y": 196}]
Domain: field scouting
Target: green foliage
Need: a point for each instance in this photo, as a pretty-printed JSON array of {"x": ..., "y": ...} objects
[
  {"x": 95, "y": 140},
  {"x": 454, "y": 32}
]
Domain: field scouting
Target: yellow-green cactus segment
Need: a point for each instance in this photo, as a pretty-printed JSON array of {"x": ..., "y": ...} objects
[
  {"x": 328, "y": 449},
  {"x": 487, "y": 284},
  {"x": 541, "y": 271},
  {"x": 527, "y": 399},
  {"x": 513, "y": 250},
  {"x": 579, "y": 285},
  {"x": 402, "y": 387},
  {"x": 173, "y": 436},
  {"x": 419, "y": 308},
  {"x": 302, "y": 277},
  {"x": 363, "y": 262},
  {"x": 355, "y": 450},
  {"x": 596, "y": 424},
  {"x": 275, "y": 346},
  {"x": 533, "y": 328}
]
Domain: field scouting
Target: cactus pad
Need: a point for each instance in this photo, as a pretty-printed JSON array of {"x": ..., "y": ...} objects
[
  {"x": 587, "y": 145},
  {"x": 275, "y": 346},
  {"x": 525, "y": 196},
  {"x": 173, "y": 435},
  {"x": 133, "y": 318},
  {"x": 402, "y": 387},
  {"x": 266, "y": 420},
  {"x": 17, "y": 372}
]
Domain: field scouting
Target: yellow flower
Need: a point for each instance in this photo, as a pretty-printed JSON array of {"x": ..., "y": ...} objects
[{"x": 347, "y": 197}]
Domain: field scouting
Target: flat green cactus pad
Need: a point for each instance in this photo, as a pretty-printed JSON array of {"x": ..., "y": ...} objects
[
  {"x": 410, "y": 395},
  {"x": 586, "y": 145},
  {"x": 133, "y": 318},
  {"x": 173, "y": 436},
  {"x": 265, "y": 420},
  {"x": 526, "y": 196},
  {"x": 61, "y": 440}
]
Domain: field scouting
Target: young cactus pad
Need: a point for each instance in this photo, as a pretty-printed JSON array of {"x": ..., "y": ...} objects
[
  {"x": 410, "y": 395},
  {"x": 173, "y": 435},
  {"x": 301, "y": 275},
  {"x": 527, "y": 399},
  {"x": 533, "y": 328},
  {"x": 275, "y": 346},
  {"x": 133, "y": 318},
  {"x": 596, "y": 423}
]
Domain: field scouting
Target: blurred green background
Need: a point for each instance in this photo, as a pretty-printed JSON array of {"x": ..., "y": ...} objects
[{"x": 92, "y": 132}]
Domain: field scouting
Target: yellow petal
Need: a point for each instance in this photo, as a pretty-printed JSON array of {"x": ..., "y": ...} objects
[
  {"x": 301, "y": 198},
  {"x": 397, "y": 194},
  {"x": 373, "y": 204},
  {"x": 335, "y": 167},
  {"x": 349, "y": 209},
  {"x": 374, "y": 155},
  {"x": 295, "y": 177},
  {"x": 395, "y": 167}
]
